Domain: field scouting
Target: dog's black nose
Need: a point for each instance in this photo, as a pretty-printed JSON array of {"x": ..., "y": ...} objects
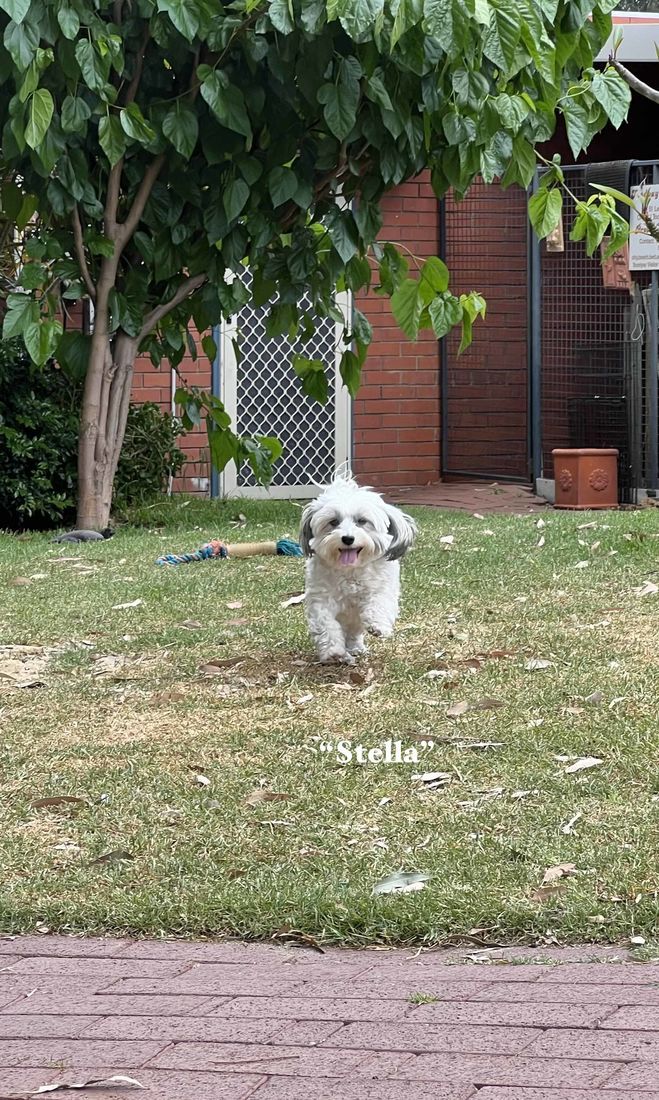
[{"x": 347, "y": 540}]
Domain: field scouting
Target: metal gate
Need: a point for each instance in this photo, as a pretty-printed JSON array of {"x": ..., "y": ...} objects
[
  {"x": 484, "y": 403},
  {"x": 595, "y": 346},
  {"x": 263, "y": 396}
]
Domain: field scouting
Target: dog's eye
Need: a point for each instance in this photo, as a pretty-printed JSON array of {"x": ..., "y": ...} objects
[
  {"x": 361, "y": 522},
  {"x": 334, "y": 523}
]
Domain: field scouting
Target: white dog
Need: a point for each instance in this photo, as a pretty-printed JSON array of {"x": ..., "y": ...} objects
[{"x": 354, "y": 542}]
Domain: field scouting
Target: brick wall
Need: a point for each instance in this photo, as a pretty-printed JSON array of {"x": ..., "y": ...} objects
[{"x": 396, "y": 412}]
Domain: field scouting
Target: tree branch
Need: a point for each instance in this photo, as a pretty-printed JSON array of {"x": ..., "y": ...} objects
[
  {"x": 635, "y": 84},
  {"x": 112, "y": 199},
  {"x": 80, "y": 253},
  {"x": 128, "y": 227},
  {"x": 131, "y": 90},
  {"x": 187, "y": 287}
]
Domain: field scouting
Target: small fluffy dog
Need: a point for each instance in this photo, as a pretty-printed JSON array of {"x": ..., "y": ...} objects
[{"x": 354, "y": 543}]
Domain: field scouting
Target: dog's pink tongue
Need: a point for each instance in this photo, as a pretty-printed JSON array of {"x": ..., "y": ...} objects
[{"x": 348, "y": 557}]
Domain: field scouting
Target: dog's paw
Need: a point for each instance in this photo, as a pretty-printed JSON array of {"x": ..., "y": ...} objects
[
  {"x": 337, "y": 657},
  {"x": 379, "y": 630},
  {"x": 359, "y": 649}
]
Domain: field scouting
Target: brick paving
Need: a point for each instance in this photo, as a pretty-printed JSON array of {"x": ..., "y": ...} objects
[
  {"x": 471, "y": 496},
  {"x": 231, "y": 1022}
]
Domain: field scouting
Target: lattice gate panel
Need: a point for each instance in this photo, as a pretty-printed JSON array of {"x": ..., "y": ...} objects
[{"x": 265, "y": 397}]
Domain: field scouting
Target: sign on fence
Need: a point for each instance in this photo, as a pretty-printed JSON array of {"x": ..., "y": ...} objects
[{"x": 644, "y": 249}]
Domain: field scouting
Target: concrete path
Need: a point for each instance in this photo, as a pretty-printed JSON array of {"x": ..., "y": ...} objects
[{"x": 227, "y": 1022}]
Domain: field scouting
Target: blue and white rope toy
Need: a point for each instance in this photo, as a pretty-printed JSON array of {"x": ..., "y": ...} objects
[{"x": 217, "y": 549}]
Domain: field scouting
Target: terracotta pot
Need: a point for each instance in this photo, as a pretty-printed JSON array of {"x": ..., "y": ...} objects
[{"x": 586, "y": 478}]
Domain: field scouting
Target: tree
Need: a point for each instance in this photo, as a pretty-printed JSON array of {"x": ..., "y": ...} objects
[{"x": 162, "y": 147}]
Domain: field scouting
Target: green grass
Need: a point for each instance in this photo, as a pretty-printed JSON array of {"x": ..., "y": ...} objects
[{"x": 204, "y": 862}]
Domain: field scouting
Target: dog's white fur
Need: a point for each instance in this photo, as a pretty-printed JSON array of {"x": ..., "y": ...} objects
[{"x": 354, "y": 542}]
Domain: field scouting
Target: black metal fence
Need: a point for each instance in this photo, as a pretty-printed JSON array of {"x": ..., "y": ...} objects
[{"x": 594, "y": 348}]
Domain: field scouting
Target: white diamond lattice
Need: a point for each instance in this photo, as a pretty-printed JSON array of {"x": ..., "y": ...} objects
[{"x": 270, "y": 401}]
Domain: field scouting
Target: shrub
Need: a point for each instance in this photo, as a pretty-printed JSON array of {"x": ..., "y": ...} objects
[
  {"x": 149, "y": 456},
  {"x": 39, "y": 443}
]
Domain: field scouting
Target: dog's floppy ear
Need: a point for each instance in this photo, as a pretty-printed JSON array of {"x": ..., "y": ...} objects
[
  {"x": 306, "y": 533},
  {"x": 402, "y": 529}
]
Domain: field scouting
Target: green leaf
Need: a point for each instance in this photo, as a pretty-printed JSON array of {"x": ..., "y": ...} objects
[
  {"x": 545, "y": 210},
  {"x": 408, "y": 13},
  {"x": 22, "y": 43},
  {"x": 619, "y": 234},
  {"x": 512, "y": 110},
  {"x": 33, "y": 276},
  {"x": 16, "y": 9},
  {"x": 282, "y": 185},
  {"x": 434, "y": 279},
  {"x": 439, "y": 18},
  {"x": 406, "y": 306},
  {"x": 501, "y": 39},
  {"x": 234, "y": 199},
  {"x": 311, "y": 373},
  {"x": 22, "y": 310},
  {"x": 111, "y": 138},
  {"x": 377, "y": 91},
  {"x": 361, "y": 328},
  {"x": 227, "y": 103},
  {"x": 445, "y": 312},
  {"x": 134, "y": 124},
  {"x": 619, "y": 196},
  {"x": 69, "y": 22},
  {"x": 281, "y": 15},
  {"x": 41, "y": 338},
  {"x": 94, "y": 71},
  {"x": 72, "y": 353},
  {"x": 613, "y": 94},
  {"x": 74, "y": 114},
  {"x": 495, "y": 157},
  {"x": 393, "y": 268},
  {"x": 343, "y": 233},
  {"x": 183, "y": 15},
  {"x": 358, "y": 18},
  {"x": 340, "y": 107},
  {"x": 181, "y": 128},
  {"x": 210, "y": 348},
  {"x": 40, "y": 113},
  {"x": 577, "y": 125},
  {"x": 350, "y": 372}
]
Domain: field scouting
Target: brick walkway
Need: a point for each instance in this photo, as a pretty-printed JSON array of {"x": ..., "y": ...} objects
[
  {"x": 471, "y": 496},
  {"x": 227, "y": 1022}
]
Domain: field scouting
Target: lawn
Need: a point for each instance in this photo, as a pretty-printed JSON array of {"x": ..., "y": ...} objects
[{"x": 178, "y": 828}]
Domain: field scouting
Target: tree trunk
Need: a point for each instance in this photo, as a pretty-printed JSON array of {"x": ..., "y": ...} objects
[{"x": 105, "y": 405}]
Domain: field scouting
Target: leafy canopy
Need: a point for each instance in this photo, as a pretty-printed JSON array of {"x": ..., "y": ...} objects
[{"x": 165, "y": 145}]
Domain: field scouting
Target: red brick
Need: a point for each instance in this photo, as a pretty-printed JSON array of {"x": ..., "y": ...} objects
[
  {"x": 8, "y": 960},
  {"x": 484, "y": 1070},
  {"x": 17, "y": 1082},
  {"x": 613, "y": 973},
  {"x": 610, "y": 1045},
  {"x": 197, "y": 983},
  {"x": 253, "y": 954},
  {"x": 556, "y": 1094},
  {"x": 428, "y": 968},
  {"x": 643, "y": 1076},
  {"x": 75, "y": 1052},
  {"x": 170, "y": 1086},
  {"x": 312, "y": 1008},
  {"x": 49, "y": 1027},
  {"x": 293, "y": 1061},
  {"x": 103, "y": 1005},
  {"x": 65, "y": 946},
  {"x": 511, "y": 1015},
  {"x": 22, "y": 987},
  {"x": 334, "y": 1089},
  {"x": 194, "y": 1029},
  {"x": 426, "y": 1037},
  {"x": 634, "y": 1018},
  {"x": 108, "y": 968}
]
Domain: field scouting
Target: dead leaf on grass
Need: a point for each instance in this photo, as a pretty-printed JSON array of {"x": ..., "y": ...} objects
[
  {"x": 536, "y": 664},
  {"x": 294, "y": 600},
  {"x": 219, "y": 664},
  {"x": 361, "y": 676},
  {"x": 561, "y": 870},
  {"x": 594, "y": 699},
  {"x": 479, "y": 744},
  {"x": 107, "y": 665},
  {"x": 259, "y": 796},
  {"x": 126, "y": 606},
  {"x": 293, "y": 938},
  {"x": 401, "y": 882},
  {"x": 433, "y": 780},
  {"x": 192, "y": 624},
  {"x": 202, "y": 780},
  {"x": 168, "y": 697},
  {"x": 488, "y": 704},
  {"x": 118, "y": 855},
  {"x": 20, "y": 582},
  {"x": 568, "y": 828},
  {"x": 647, "y": 589},
  {"x": 235, "y": 605},
  {"x": 582, "y": 764},
  {"x": 546, "y": 893},
  {"x": 92, "y": 1083},
  {"x": 447, "y": 540},
  {"x": 57, "y": 801},
  {"x": 456, "y": 710}
]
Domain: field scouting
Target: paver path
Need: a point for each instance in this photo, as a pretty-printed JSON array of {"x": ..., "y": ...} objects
[{"x": 228, "y": 1021}]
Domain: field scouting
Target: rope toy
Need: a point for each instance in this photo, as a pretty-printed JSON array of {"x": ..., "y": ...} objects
[{"x": 218, "y": 549}]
